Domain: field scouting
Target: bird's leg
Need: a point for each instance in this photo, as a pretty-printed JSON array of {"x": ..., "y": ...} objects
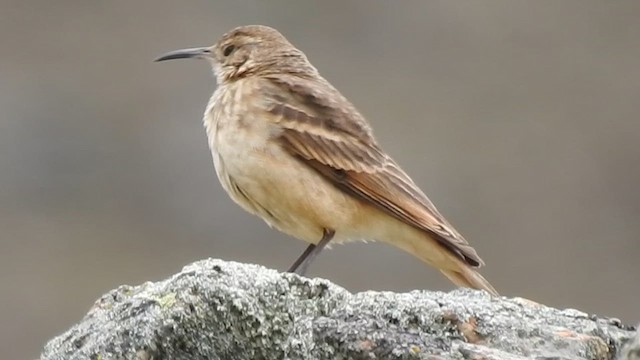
[{"x": 302, "y": 263}]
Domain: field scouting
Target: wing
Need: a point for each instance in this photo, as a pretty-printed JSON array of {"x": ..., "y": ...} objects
[{"x": 323, "y": 129}]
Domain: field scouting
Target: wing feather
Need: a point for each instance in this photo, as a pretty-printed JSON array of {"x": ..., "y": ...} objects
[{"x": 320, "y": 127}]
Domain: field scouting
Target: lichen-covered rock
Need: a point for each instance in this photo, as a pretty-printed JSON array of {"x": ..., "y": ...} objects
[
  {"x": 214, "y": 309},
  {"x": 631, "y": 351}
]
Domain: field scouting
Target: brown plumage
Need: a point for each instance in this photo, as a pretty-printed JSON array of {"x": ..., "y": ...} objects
[{"x": 288, "y": 147}]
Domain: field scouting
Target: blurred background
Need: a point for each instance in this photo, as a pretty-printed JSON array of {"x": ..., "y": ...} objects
[{"x": 518, "y": 118}]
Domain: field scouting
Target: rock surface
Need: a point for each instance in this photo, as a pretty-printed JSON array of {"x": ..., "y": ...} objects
[{"x": 214, "y": 309}]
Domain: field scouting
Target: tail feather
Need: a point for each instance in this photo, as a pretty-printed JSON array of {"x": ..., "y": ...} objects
[
  {"x": 450, "y": 264},
  {"x": 468, "y": 277}
]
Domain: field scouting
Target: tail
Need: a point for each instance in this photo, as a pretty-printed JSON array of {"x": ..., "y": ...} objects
[
  {"x": 451, "y": 265},
  {"x": 468, "y": 277}
]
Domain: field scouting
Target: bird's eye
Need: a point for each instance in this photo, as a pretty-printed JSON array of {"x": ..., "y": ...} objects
[{"x": 228, "y": 50}]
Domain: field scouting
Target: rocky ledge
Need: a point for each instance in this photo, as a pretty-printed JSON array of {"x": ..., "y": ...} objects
[{"x": 215, "y": 309}]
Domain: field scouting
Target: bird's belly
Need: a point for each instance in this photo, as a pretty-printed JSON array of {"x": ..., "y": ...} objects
[{"x": 291, "y": 197}]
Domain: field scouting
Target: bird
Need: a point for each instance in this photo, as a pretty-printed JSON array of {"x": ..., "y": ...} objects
[{"x": 288, "y": 147}]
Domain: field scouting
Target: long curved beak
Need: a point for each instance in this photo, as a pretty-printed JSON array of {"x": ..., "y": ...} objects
[{"x": 185, "y": 54}]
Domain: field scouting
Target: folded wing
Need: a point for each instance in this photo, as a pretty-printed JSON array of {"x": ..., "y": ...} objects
[{"x": 320, "y": 127}]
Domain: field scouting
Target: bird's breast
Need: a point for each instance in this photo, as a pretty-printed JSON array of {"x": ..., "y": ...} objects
[
  {"x": 263, "y": 178},
  {"x": 239, "y": 138}
]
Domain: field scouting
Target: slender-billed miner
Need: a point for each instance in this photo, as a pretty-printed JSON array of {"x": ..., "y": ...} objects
[{"x": 291, "y": 149}]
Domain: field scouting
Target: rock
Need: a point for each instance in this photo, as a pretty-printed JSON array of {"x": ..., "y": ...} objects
[
  {"x": 631, "y": 351},
  {"x": 214, "y": 309}
]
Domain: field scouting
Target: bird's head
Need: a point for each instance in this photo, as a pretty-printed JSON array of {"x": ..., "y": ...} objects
[{"x": 247, "y": 51}]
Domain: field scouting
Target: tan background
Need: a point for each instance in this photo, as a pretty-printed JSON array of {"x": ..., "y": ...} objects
[{"x": 519, "y": 118}]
